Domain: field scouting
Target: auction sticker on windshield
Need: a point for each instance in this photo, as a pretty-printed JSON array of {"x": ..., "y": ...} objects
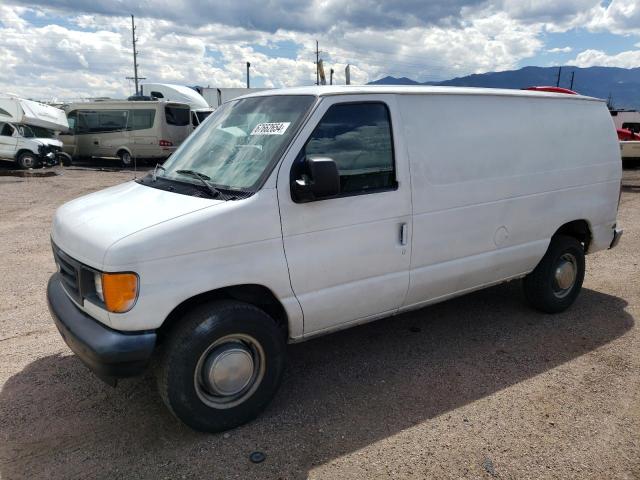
[{"x": 276, "y": 128}]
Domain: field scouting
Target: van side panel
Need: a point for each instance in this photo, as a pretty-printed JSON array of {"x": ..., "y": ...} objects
[{"x": 494, "y": 177}]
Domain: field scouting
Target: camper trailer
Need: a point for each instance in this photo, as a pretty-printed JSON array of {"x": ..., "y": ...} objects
[
  {"x": 179, "y": 93},
  {"x": 28, "y": 132},
  {"x": 126, "y": 130}
]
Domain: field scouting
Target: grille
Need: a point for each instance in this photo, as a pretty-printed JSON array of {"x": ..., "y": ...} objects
[{"x": 70, "y": 273}]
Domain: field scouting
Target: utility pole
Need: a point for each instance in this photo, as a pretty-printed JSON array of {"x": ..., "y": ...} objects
[
  {"x": 558, "y": 81},
  {"x": 317, "y": 64},
  {"x": 573, "y": 74},
  {"x": 331, "y": 77},
  {"x": 135, "y": 57},
  {"x": 248, "y": 66}
]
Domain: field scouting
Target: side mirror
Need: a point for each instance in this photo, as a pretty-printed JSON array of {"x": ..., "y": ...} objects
[{"x": 322, "y": 180}]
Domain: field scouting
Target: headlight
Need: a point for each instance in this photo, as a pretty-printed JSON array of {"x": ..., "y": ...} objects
[
  {"x": 118, "y": 291},
  {"x": 97, "y": 280}
]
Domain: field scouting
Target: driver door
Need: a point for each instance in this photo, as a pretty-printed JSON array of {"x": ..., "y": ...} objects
[
  {"x": 8, "y": 141},
  {"x": 349, "y": 255}
]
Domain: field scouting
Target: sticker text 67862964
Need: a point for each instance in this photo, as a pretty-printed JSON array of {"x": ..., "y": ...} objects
[{"x": 275, "y": 128}]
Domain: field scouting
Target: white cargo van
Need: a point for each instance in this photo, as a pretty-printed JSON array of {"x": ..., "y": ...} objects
[
  {"x": 126, "y": 130},
  {"x": 297, "y": 212}
]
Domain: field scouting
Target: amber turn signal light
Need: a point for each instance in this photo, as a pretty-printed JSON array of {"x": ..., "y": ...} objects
[{"x": 120, "y": 291}]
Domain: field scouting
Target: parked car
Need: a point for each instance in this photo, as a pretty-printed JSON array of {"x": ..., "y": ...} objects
[
  {"x": 297, "y": 212},
  {"x": 29, "y": 131},
  {"x": 126, "y": 130}
]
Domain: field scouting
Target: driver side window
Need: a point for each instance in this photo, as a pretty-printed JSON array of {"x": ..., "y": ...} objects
[
  {"x": 6, "y": 130},
  {"x": 357, "y": 136}
]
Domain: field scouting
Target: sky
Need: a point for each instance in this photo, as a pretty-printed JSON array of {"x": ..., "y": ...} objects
[{"x": 71, "y": 49}]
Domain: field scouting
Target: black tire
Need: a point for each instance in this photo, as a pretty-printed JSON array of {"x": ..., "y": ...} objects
[
  {"x": 65, "y": 159},
  {"x": 184, "y": 392},
  {"x": 27, "y": 160},
  {"x": 542, "y": 289},
  {"x": 125, "y": 158}
]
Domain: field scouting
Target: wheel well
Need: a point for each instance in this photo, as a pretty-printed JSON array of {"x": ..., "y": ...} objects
[
  {"x": 24, "y": 150},
  {"x": 122, "y": 149},
  {"x": 578, "y": 229},
  {"x": 256, "y": 295}
]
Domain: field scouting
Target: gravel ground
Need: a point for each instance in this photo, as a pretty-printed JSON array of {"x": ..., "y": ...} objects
[{"x": 476, "y": 387}]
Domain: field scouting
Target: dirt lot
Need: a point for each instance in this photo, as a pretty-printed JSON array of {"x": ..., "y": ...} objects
[{"x": 476, "y": 387}]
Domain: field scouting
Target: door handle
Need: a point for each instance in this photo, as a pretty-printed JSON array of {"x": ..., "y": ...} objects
[{"x": 404, "y": 233}]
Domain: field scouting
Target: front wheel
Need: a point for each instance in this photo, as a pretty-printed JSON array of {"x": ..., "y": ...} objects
[
  {"x": 27, "y": 160},
  {"x": 221, "y": 365},
  {"x": 65, "y": 159},
  {"x": 556, "y": 282}
]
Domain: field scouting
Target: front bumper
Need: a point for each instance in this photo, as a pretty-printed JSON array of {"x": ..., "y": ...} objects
[
  {"x": 617, "y": 233},
  {"x": 108, "y": 353}
]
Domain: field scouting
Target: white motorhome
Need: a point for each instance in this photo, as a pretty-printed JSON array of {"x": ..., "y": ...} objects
[
  {"x": 126, "y": 130},
  {"x": 29, "y": 130},
  {"x": 298, "y": 212},
  {"x": 181, "y": 94},
  {"x": 216, "y": 96}
]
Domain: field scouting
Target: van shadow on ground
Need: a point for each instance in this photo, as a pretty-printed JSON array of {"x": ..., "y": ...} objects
[{"x": 341, "y": 393}]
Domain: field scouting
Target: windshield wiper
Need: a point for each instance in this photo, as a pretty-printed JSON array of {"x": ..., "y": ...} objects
[
  {"x": 204, "y": 179},
  {"x": 155, "y": 171}
]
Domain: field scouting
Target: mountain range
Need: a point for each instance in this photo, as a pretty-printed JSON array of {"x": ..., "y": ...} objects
[{"x": 621, "y": 85}]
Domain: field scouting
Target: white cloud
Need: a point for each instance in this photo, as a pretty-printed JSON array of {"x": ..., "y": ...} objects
[
  {"x": 91, "y": 55},
  {"x": 590, "y": 58},
  {"x": 560, "y": 50},
  {"x": 86, "y": 51},
  {"x": 620, "y": 17}
]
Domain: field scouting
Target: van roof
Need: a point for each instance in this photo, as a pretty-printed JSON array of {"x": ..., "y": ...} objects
[
  {"x": 328, "y": 90},
  {"x": 120, "y": 103}
]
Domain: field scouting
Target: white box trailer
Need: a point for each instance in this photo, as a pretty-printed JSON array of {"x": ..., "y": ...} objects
[{"x": 29, "y": 132}]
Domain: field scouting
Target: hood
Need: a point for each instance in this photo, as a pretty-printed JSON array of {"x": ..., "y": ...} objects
[
  {"x": 48, "y": 141},
  {"x": 86, "y": 227}
]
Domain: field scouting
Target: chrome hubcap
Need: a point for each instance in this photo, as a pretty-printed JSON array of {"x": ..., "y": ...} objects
[
  {"x": 565, "y": 275},
  {"x": 229, "y": 371}
]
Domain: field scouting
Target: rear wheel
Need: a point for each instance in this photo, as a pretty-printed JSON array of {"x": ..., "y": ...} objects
[
  {"x": 221, "y": 366},
  {"x": 556, "y": 282},
  {"x": 27, "y": 160},
  {"x": 125, "y": 158}
]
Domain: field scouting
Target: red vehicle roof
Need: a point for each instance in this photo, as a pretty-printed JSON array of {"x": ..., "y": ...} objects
[
  {"x": 627, "y": 135},
  {"x": 552, "y": 89}
]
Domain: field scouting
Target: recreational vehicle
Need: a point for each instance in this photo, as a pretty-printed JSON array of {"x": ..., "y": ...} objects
[
  {"x": 28, "y": 132},
  {"x": 126, "y": 130},
  {"x": 179, "y": 93}
]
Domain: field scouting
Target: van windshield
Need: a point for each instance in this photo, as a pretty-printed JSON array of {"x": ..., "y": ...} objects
[
  {"x": 25, "y": 131},
  {"x": 237, "y": 144}
]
